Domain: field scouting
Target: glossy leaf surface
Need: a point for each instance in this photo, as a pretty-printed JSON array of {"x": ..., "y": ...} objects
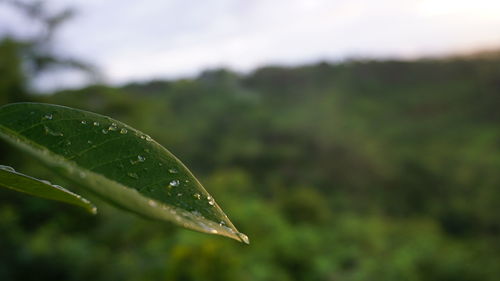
[
  {"x": 115, "y": 161},
  {"x": 9, "y": 178}
]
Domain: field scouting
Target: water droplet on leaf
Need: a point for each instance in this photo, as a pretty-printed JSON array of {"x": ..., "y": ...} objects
[
  {"x": 133, "y": 175},
  {"x": 210, "y": 200},
  {"x": 51, "y": 132},
  {"x": 152, "y": 203},
  {"x": 113, "y": 127}
]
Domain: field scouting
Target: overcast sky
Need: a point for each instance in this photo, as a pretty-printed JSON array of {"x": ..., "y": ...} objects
[{"x": 140, "y": 40}]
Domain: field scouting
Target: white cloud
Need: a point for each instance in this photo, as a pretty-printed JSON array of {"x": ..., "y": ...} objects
[{"x": 143, "y": 39}]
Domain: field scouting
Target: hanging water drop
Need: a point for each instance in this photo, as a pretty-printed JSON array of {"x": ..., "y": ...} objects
[
  {"x": 104, "y": 131},
  {"x": 174, "y": 183},
  {"x": 197, "y": 196},
  {"x": 243, "y": 238},
  {"x": 96, "y": 124},
  {"x": 48, "y": 116},
  {"x": 141, "y": 158},
  {"x": 123, "y": 131},
  {"x": 173, "y": 171},
  {"x": 84, "y": 122}
]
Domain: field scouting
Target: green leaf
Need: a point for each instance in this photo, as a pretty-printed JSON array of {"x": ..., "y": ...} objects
[
  {"x": 11, "y": 179},
  {"x": 115, "y": 161}
]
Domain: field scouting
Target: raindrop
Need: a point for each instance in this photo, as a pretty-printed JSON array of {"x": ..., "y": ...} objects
[
  {"x": 152, "y": 203},
  {"x": 143, "y": 137},
  {"x": 46, "y": 182},
  {"x": 133, "y": 175},
  {"x": 173, "y": 171},
  {"x": 197, "y": 196},
  {"x": 96, "y": 124},
  {"x": 84, "y": 122},
  {"x": 89, "y": 142},
  {"x": 179, "y": 194},
  {"x": 148, "y": 138},
  {"x": 174, "y": 183},
  {"x": 210, "y": 200},
  {"x": 67, "y": 142},
  {"x": 160, "y": 164},
  {"x": 48, "y": 116},
  {"x": 123, "y": 131},
  {"x": 48, "y": 131},
  {"x": 243, "y": 238},
  {"x": 104, "y": 131},
  {"x": 141, "y": 158},
  {"x": 113, "y": 127}
]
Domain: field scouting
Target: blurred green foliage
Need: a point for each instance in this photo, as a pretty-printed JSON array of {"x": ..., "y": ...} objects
[{"x": 362, "y": 170}]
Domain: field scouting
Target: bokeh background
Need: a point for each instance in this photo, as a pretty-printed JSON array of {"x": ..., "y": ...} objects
[{"x": 351, "y": 140}]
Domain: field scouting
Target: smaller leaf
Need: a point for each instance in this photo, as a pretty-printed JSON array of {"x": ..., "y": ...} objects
[{"x": 9, "y": 178}]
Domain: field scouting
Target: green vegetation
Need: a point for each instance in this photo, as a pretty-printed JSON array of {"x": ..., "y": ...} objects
[
  {"x": 113, "y": 160},
  {"x": 9, "y": 178},
  {"x": 363, "y": 170}
]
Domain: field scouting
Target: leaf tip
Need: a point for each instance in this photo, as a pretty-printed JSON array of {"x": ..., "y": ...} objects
[{"x": 243, "y": 238}]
